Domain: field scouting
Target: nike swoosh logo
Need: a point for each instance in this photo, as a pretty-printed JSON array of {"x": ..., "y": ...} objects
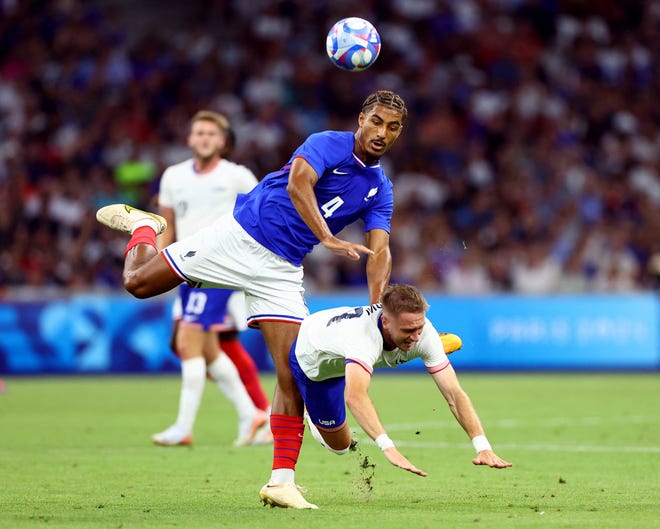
[{"x": 337, "y": 171}]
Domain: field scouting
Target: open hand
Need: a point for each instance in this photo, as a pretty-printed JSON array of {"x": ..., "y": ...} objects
[
  {"x": 351, "y": 250},
  {"x": 490, "y": 458},
  {"x": 398, "y": 460}
]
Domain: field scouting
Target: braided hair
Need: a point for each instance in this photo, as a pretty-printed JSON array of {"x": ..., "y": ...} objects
[{"x": 386, "y": 98}]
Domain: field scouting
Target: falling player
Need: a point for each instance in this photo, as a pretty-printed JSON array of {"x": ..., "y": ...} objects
[{"x": 334, "y": 357}]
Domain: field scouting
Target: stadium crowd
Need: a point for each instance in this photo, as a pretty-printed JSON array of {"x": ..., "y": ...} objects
[{"x": 530, "y": 162}]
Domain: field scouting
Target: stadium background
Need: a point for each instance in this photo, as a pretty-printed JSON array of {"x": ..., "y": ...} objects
[{"x": 527, "y": 179}]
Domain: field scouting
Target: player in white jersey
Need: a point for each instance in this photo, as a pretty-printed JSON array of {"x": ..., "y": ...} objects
[
  {"x": 192, "y": 195},
  {"x": 332, "y": 180},
  {"x": 334, "y": 357}
]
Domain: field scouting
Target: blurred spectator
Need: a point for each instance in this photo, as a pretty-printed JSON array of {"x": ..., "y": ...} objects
[
  {"x": 535, "y": 270},
  {"x": 468, "y": 275},
  {"x": 534, "y": 134}
]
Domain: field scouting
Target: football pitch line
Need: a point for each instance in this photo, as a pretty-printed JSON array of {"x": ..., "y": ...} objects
[
  {"x": 548, "y": 422},
  {"x": 432, "y": 445},
  {"x": 540, "y": 447}
]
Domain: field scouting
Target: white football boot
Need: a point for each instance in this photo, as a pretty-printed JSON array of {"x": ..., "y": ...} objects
[
  {"x": 286, "y": 495},
  {"x": 248, "y": 431},
  {"x": 173, "y": 436},
  {"x": 122, "y": 217}
]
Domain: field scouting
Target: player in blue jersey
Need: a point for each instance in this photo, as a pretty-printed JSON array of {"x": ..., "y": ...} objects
[{"x": 331, "y": 180}]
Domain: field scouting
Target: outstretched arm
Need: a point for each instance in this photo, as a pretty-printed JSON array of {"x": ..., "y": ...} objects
[
  {"x": 362, "y": 408},
  {"x": 379, "y": 264},
  {"x": 300, "y": 187},
  {"x": 462, "y": 408}
]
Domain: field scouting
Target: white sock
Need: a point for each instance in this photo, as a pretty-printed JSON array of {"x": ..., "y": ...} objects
[
  {"x": 224, "y": 373},
  {"x": 282, "y": 475},
  {"x": 145, "y": 222},
  {"x": 193, "y": 376}
]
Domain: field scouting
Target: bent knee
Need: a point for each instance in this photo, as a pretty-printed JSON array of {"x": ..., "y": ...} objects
[
  {"x": 339, "y": 448},
  {"x": 144, "y": 284},
  {"x": 340, "y": 452},
  {"x": 135, "y": 287}
]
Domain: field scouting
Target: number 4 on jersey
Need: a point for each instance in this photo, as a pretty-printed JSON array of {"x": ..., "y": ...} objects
[{"x": 331, "y": 206}]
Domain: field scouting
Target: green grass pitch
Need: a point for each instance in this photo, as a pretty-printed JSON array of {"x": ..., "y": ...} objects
[{"x": 76, "y": 453}]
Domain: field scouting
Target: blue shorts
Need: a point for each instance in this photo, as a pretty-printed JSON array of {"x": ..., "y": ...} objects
[
  {"x": 324, "y": 400},
  {"x": 205, "y": 308}
]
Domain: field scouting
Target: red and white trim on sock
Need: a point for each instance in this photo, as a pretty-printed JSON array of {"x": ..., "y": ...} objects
[{"x": 141, "y": 235}]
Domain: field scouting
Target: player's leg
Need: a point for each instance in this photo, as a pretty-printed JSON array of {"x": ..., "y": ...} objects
[
  {"x": 286, "y": 418},
  {"x": 175, "y": 326},
  {"x": 189, "y": 343},
  {"x": 337, "y": 441},
  {"x": 231, "y": 344},
  {"x": 247, "y": 368},
  {"x": 274, "y": 299},
  {"x": 145, "y": 275},
  {"x": 286, "y": 421},
  {"x": 325, "y": 411},
  {"x": 225, "y": 375},
  {"x": 279, "y": 337}
]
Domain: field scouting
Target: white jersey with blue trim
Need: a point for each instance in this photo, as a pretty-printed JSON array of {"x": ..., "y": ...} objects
[
  {"x": 330, "y": 338},
  {"x": 347, "y": 190}
]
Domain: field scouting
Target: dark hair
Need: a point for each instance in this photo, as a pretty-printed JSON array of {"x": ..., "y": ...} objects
[
  {"x": 386, "y": 98},
  {"x": 398, "y": 299}
]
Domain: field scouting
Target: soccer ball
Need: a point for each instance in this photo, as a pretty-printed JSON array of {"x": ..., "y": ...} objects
[{"x": 353, "y": 44}]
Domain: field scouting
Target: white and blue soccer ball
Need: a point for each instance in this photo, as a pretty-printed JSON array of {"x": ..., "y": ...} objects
[{"x": 353, "y": 44}]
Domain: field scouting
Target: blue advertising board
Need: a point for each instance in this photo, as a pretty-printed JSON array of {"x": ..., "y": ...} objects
[
  {"x": 86, "y": 334},
  {"x": 554, "y": 332},
  {"x": 119, "y": 334}
]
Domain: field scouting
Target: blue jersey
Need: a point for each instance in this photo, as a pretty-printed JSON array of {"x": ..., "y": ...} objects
[{"x": 347, "y": 190}]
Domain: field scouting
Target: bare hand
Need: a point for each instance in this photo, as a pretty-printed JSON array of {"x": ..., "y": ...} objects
[
  {"x": 347, "y": 249},
  {"x": 398, "y": 460},
  {"x": 490, "y": 458}
]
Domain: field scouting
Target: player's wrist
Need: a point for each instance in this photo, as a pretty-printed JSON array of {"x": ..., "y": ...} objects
[
  {"x": 480, "y": 443},
  {"x": 384, "y": 442}
]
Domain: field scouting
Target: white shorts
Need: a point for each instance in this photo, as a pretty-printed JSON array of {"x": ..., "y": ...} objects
[{"x": 224, "y": 255}]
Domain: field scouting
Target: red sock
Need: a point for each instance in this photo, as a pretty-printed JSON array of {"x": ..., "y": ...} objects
[
  {"x": 248, "y": 372},
  {"x": 143, "y": 235},
  {"x": 287, "y": 440}
]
